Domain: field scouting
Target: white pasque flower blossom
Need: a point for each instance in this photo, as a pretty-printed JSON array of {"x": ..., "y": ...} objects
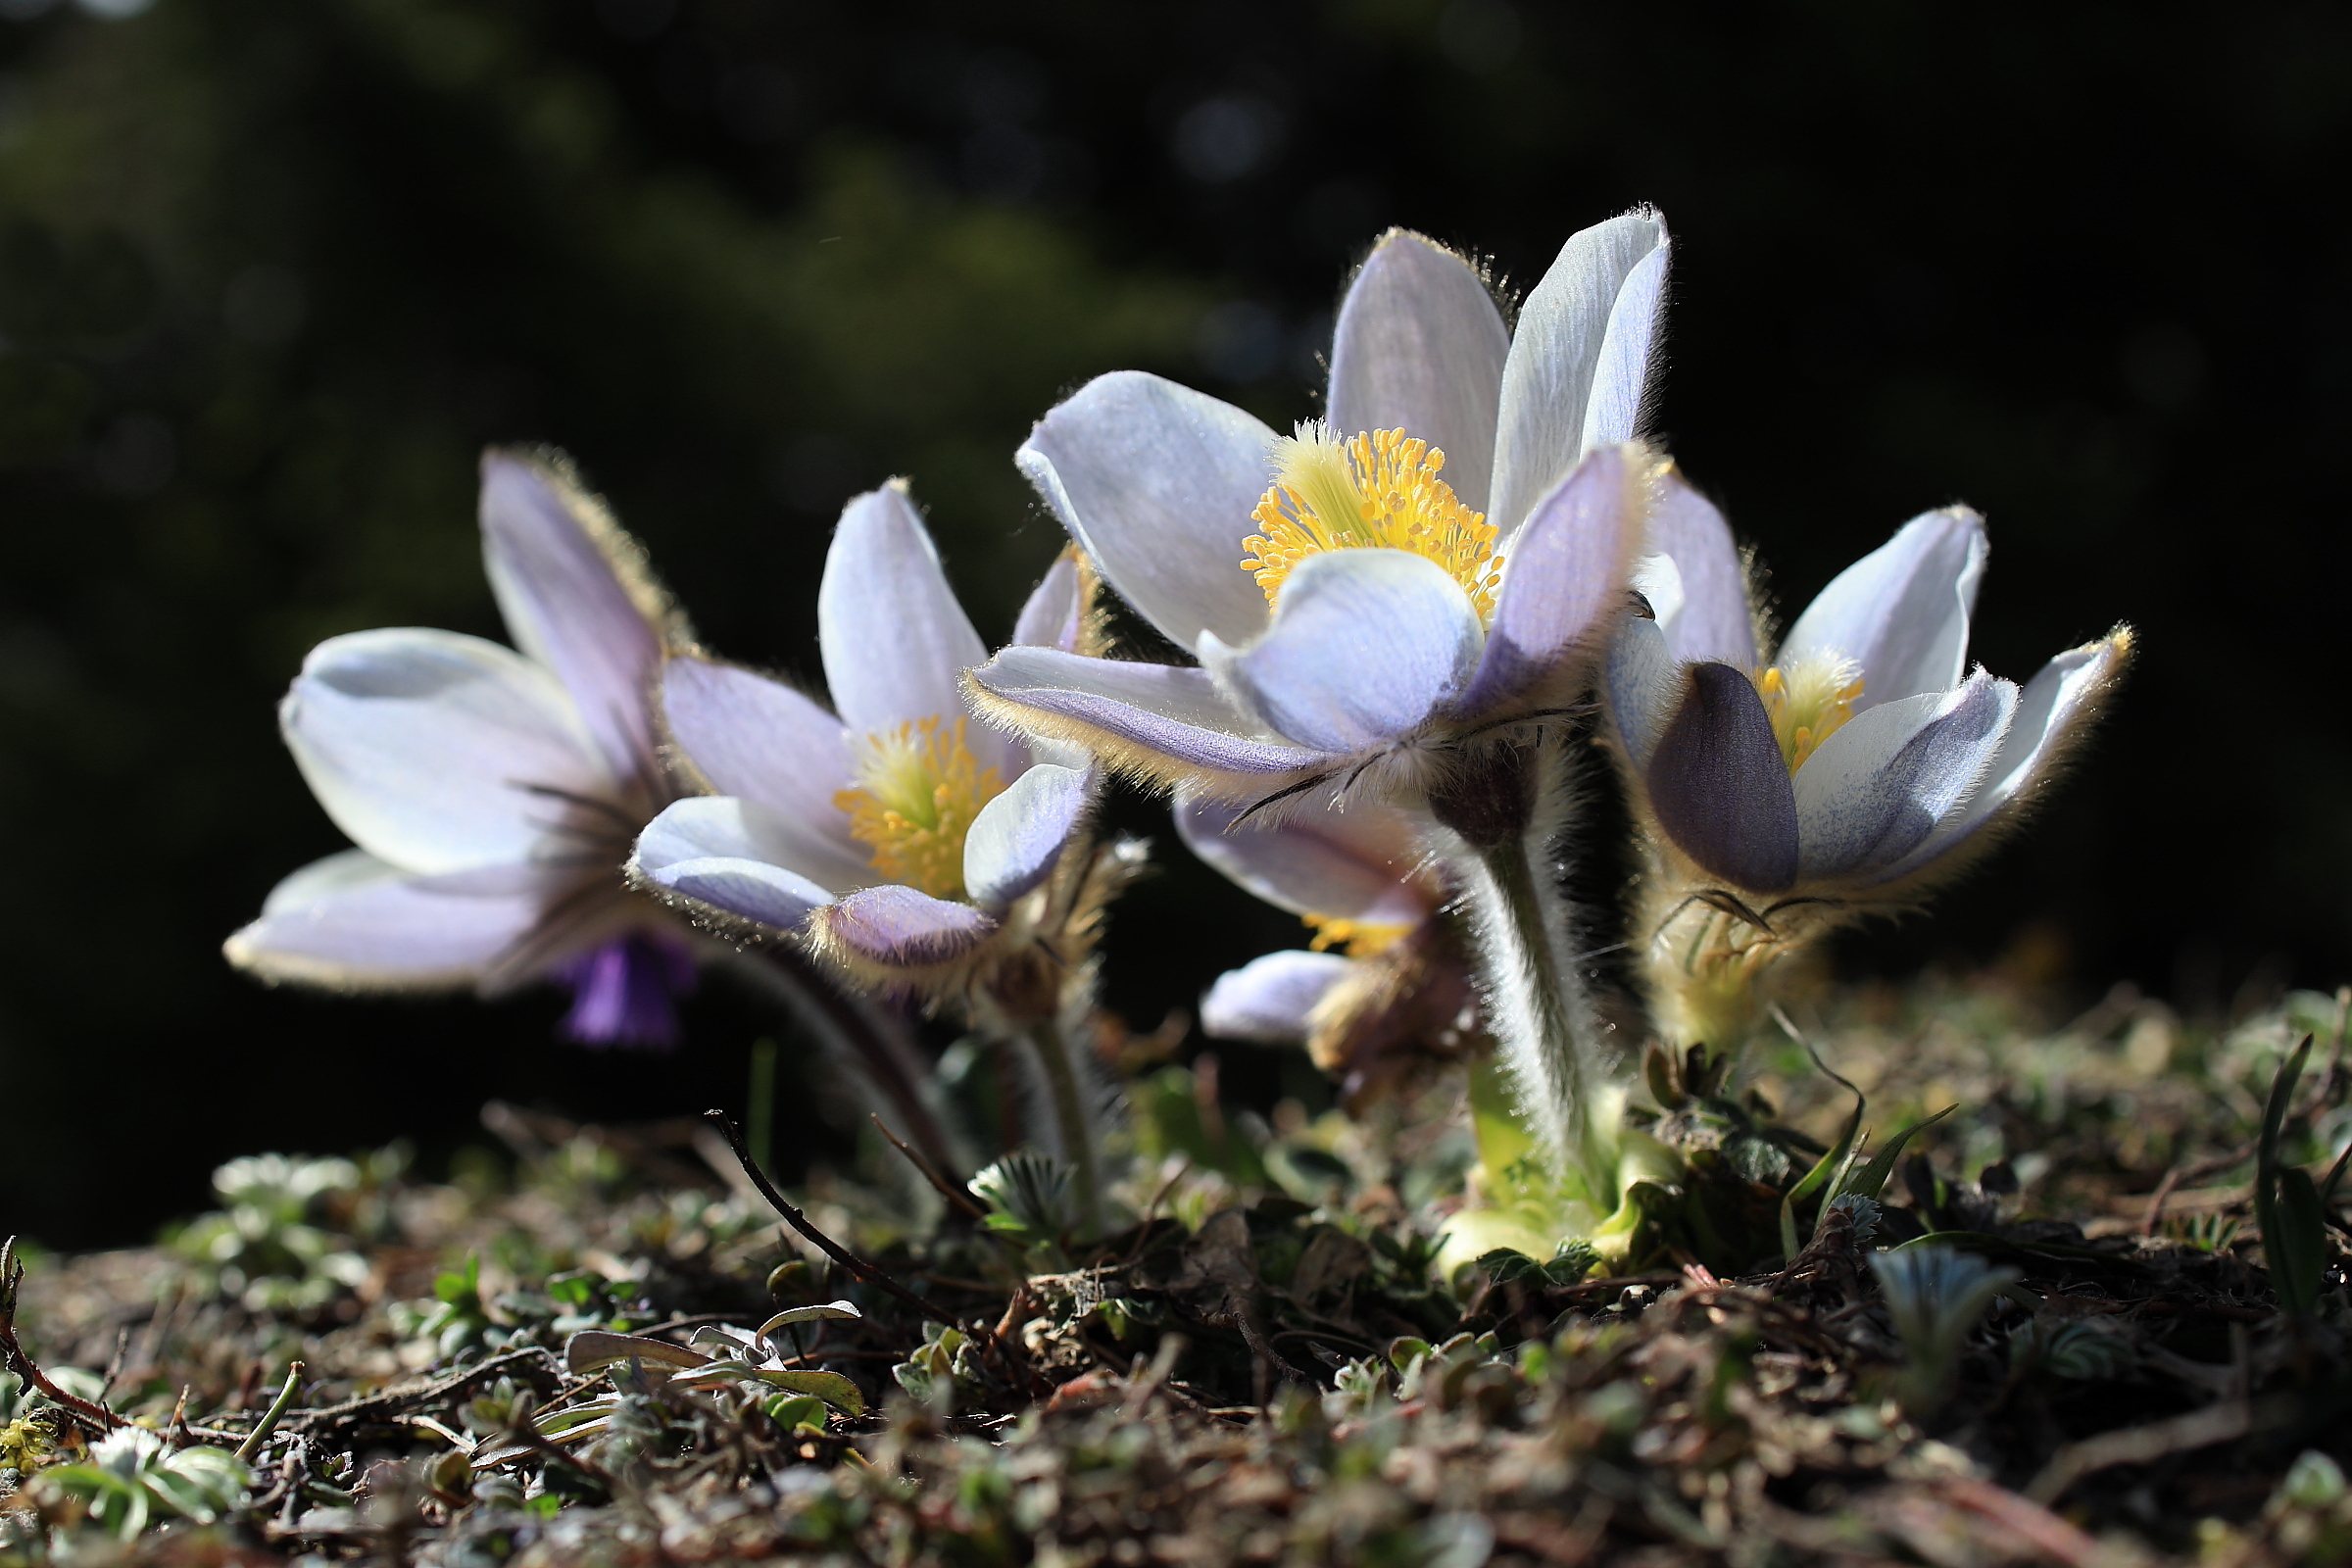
[{"x": 492, "y": 794}]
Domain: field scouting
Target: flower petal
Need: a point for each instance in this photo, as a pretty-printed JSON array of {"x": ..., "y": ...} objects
[
  {"x": 1883, "y": 781},
  {"x": 1014, "y": 841},
  {"x": 1713, "y": 621},
  {"x": 1902, "y": 609},
  {"x": 2053, "y": 711},
  {"x": 1364, "y": 646},
  {"x": 557, "y": 565},
  {"x": 1565, "y": 580},
  {"x": 1050, "y": 618},
  {"x": 900, "y": 927},
  {"x": 1156, "y": 720},
  {"x": 1718, "y": 785},
  {"x": 894, "y": 641},
  {"x": 1645, "y": 686},
  {"x": 1268, "y": 999},
  {"x": 745, "y": 890},
  {"x": 1621, "y": 376},
  {"x": 1548, "y": 380},
  {"x": 730, "y": 827},
  {"x": 1363, "y": 863},
  {"x": 437, "y": 751},
  {"x": 758, "y": 739},
  {"x": 355, "y": 922},
  {"x": 1420, "y": 345},
  {"x": 1156, "y": 482}
]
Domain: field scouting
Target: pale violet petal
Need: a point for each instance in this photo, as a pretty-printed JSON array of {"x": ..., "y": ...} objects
[
  {"x": 1659, "y": 582},
  {"x": 901, "y": 927},
  {"x": 1547, "y": 380},
  {"x": 1616, "y": 408},
  {"x": 1269, "y": 999},
  {"x": 1050, "y": 618},
  {"x": 1420, "y": 346},
  {"x": 1153, "y": 717},
  {"x": 1565, "y": 581},
  {"x": 552, "y": 556},
  {"x": 1360, "y": 863},
  {"x": 704, "y": 827},
  {"x": 1016, "y": 839},
  {"x": 1643, "y": 684},
  {"x": 1718, "y": 786},
  {"x": 743, "y": 890},
  {"x": 1881, "y": 782},
  {"x": 1156, "y": 483},
  {"x": 758, "y": 739},
  {"x": 1365, "y": 645},
  {"x": 1713, "y": 621},
  {"x": 352, "y": 921},
  {"x": 437, "y": 751},
  {"x": 1901, "y": 611}
]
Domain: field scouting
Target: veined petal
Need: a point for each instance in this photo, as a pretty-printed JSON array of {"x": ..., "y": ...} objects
[
  {"x": 1902, "y": 609},
  {"x": 572, "y": 589},
  {"x": 758, "y": 739},
  {"x": 1016, "y": 839},
  {"x": 1420, "y": 346},
  {"x": 1363, "y": 863},
  {"x": 1644, "y": 687},
  {"x": 1050, "y": 618},
  {"x": 436, "y": 752},
  {"x": 1718, "y": 785},
  {"x": 1269, "y": 999},
  {"x": 1158, "y": 721},
  {"x": 1614, "y": 409},
  {"x": 704, "y": 827},
  {"x": 1713, "y": 621},
  {"x": 354, "y": 923},
  {"x": 1364, "y": 646},
  {"x": 1547, "y": 380},
  {"x": 1565, "y": 580},
  {"x": 1156, "y": 482},
  {"x": 739, "y": 889},
  {"x": 901, "y": 928},
  {"x": 894, "y": 641},
  {"x": 1881, "y": 782},
  {"x": 2053, "y": 713}
]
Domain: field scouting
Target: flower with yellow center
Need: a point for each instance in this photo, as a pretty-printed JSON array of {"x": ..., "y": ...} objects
[
  {"x": 1379, "y": 490},
  {"x": 918, "y": 791},
  {"x": 1358, "y": 938},
  {"x": 1808, "y": 700}
]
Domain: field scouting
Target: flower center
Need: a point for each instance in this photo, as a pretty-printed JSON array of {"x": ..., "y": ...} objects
[
  {"x": 918, "y": 789},
  {"x": 1379, "y": 490},
  {"x": 1808, "y": 698},
  {"x": 1358, "y": 938}
]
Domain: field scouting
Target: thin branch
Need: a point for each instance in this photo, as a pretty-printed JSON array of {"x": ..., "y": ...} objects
[
  {"x": 12, "y": 1273},
  {"x": 961, "y": 1202}
]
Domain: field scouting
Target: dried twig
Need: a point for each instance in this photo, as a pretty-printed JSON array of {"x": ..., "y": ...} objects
[
  {"x": 12, "y": 1274},
  {"x": 394, "y": 1400},
  {"x": 957, "y": 1199}
]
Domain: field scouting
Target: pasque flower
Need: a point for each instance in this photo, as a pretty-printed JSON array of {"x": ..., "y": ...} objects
[
  {"x": 1367, "y": 596},
  {"x": 493, "y": 793},
  {"x": 1857, "y": 762}
]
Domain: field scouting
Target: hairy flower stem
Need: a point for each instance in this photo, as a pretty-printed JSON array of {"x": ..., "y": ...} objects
[{"x": 1066, "y": 1088}]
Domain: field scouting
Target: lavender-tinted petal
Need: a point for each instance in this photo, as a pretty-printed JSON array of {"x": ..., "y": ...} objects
[
  {"x": 1713, "y": 621},
  {"x": 1156, "y": 482},
  {"x": 1153, "y": 719},
  {"x": 623, "y": 990},
  {"x": 1050, "y": 618},
  {"x": 554, "y": 563},
  {"x": 1901, "y": 610},
  {"x": 1564, "y": 583},
  {"x": 738, "y": 887},
  {"x": 1362, "y": 863},
  {"x": 1014, "y": 841},
  {"x": 763, "y": 742},
  {"x": 1719, "y": 787},
  {"x": 901, "y": 927},
  {"x": 1547, "y": 381},
  {"x": 1269, "y": 999},
  {"x": 728, "y": 827},
  {"x": 1420, "y": 346},
  {"x": 1617, "y": 405},
  {"x": 1364, "y": 646},
  {"x": 1643, "y": 682},
  {"x": 437, "y": 751},
  {"x": 352, "y": 921},
  {"x": 894, "y": 641},
  {"x": 1883, "y": 781}
]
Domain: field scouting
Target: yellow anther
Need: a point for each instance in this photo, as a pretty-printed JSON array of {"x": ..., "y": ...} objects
[
  {"x": 918, "y": 789},
  {"x": 1358, "y": 938},
  {"x": 1808, "y": 700},
  {"x": 1378, "y": 490}
]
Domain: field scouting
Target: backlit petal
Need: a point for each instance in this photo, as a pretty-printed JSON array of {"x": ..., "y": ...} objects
[
  {"x": 555, "y": 562},
  {"x": 729, "y": 827},
  {"x": 1050, "y": 618},
  {"x": 1364, "y": 646},
  {"x": 1156, "y": 482},
  {"x": 1901, "y": 610},
  {"x": 1420, "y": 346},
  {"x": 355, "y": 922},
  {"x": 1565, "y": 582},
  {"x": 1616, "y": 407},
  {"x": 1642, "y": 678},
  {"x": 1714, "y": 621},
  {"x": 1363, "y": 863},
  {"x": 437, "y": 751},
  {"x": 1881, "y": 783},
  {"x": 758, "y": 739},
  {"x": 1014, "y": 841},
  {"x": 1268, "y": 999},
  {"x": 744, "y": 890},
  {"x": 1547, "y": 382},
  {"x": 1719, "y": 787},
  {"x": 900, "y": 927},
  {"x": 1153, "y": 719}
]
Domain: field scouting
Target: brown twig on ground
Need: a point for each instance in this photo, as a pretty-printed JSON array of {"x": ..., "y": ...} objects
[
  {"x": 12, "y": 1353},
  {"x": 2144, "y": 1444},
  {"x": 392, "y": 1400},
  {"x": 960, "y": 1202}
]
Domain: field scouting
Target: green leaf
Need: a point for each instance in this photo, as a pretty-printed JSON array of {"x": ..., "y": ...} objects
[
  {"x": 807, "y": 1314},
  {"x": 831, "y": 1386},
  {"x": 1871, "y": 1180},
  {"x": 591, "y": 1351},
  {"x": 2278, "y": 1253},
  {"x": 792, "y": 1411},
  {"x": 1820, "y": 1173},
  {"x": 2302, "y": 1255}
]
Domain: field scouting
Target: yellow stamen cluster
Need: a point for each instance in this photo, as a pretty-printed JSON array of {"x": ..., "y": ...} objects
[
  {"x": 1808, "y": 699},
  {"x": 918, "y": 789},
  {"x": 1379, "y": 490},
  {"x": 1358, "y": 938}
]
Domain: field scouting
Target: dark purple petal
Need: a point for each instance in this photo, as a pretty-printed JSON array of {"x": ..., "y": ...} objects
[
  {"x": 1719, "y": 786},
  {"x": 902, "y": 928},
  {"x": 623, "y": 991},
  {"x": 1564, "y": 578}
]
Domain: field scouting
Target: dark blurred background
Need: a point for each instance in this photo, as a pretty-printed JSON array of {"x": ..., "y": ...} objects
[{"x": 271, "y": 272}]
